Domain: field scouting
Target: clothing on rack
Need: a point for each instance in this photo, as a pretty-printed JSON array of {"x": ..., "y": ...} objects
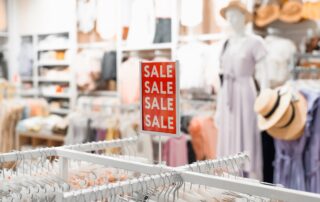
[
  {"x": 275, "y": 72},
  {"x": 163, "y": 31},
  {"x": 142, "y": 23},
  {"x": 191, "y": 6},
  {"x": 175, "y": 151},
  {"x": 25, "y": 59},
  {"x": 109, "y": 66},
  {"x": 86, "y": 14},
  {"x": 3, "y": 67},
  {"x": 191, "y": 57},
  {"x": 268, "y": 152},
  {"x": 88, "y": 69},
  {"x": 10, "y": 113},
  {"x": 203, "y": 137},
  {"x": 106, "y": 24},
  {"x": 312, "y": 151},
  {"x": 129, "y": 86},
  {"x": 235, "y": 117},
  {"x": 297, "y": 162},
  {"x": 3, "y": 15}
]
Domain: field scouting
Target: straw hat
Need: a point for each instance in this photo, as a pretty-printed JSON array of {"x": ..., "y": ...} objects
[
  {"x": 291, "y": 11},
  {"x": 291, "y": 125},
  {"x": 237, "y": 5},
  {"x": 270, "y": 106},
  {"x": 267, "y": 14}
]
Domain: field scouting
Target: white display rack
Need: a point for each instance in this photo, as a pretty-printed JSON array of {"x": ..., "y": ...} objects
[{"x": 155, "y": 173}]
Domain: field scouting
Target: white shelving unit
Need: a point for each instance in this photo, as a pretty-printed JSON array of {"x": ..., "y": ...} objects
[{"x": 37, "y": 80}]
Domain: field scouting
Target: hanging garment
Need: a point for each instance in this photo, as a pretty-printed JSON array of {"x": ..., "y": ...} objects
[
  {"x": 77, "y": 130},
  {"x": 204, "y": 137},
  {"x": 88, "y": 69},
  {"x": 312, "y": 151},
  {"x": 163, "y": 31},
  {"x": 86, "y": 12},
  {"x": 3, "y": 67},
  {"x": 126, "y": 7},
  {"x": 109, "y": 66},
  {"x": 289, "y": 169},
  {"x": 191, "y": 6},
  {"x": 280, "y": 52},
  {"x": 175, "y": 151},
  {"x": 191, "y": 58},
  {"x": 26, "y": 59},
  {"x": 268, "y": 152},
  {"x": 235, "y": 117},
  {"x": 142, "y": 25},
  {"x": 129, "y": 86},
  {"x": 3, "y": 15},
  {"x": 106, "y": 18}
]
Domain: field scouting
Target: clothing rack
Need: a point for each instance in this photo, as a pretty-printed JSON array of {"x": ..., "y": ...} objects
[
  {"x": 250, "y": 188},
  {"x": 158, "y": 175}
]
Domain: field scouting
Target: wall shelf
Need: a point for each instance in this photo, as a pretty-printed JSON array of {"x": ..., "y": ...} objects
[
  {"x": 161, "y": 46},
  {"x": 53, "y": 63},
  {"x": 56, "y": 95},
  {"x": 52, "y": 48},
  {"x": 54, "y": 80}
]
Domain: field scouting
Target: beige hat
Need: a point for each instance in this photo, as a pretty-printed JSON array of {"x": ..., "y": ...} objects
[
  {"x": 291, "y": 11},
  {"x": 238, "y": 5},
  {"x": 271, "y": 105},
  {"x": 291, "y": 125},
  {"x": 267, "y": 14}
]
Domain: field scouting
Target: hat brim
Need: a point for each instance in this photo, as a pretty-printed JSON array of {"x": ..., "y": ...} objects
[
  {"x": 262, "y": 22},
  {"x": 266, "y": 123},
  {"x": 247, "y": 14},
  {"x": 296, "y": 128},
  {"x": 292, "y": 18}
]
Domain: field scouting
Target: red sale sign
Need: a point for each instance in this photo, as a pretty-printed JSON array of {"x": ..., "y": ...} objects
[{"x": 160, "y": 98}]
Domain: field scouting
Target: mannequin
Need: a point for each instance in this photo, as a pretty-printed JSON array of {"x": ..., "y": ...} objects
[{"x": 236, "y": 119}]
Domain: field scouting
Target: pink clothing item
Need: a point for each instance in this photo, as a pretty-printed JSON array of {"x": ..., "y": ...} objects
[
  {"x": 175, "y": 151},
  {"x": 204, "y": 137},
  {"x": 129, "y": 87}
]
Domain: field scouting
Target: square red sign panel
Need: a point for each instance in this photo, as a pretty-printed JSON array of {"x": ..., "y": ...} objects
[{"x": 159, "y": 97}]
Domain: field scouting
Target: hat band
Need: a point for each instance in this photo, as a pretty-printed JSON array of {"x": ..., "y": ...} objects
[
  {"x": 291, "y": 118},
  {"x": 274, "y": 108}
]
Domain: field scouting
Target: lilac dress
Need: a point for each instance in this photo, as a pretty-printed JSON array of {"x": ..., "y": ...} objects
[
  {"x": 312, "y": 151},
  {"x": 236, "y": 119},
  {"x": 297, "y": 163}
]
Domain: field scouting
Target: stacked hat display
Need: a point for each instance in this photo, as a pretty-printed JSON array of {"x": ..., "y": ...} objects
[
  {"x": 289, "y": 11},
  {"x": 282, "y": 113}
]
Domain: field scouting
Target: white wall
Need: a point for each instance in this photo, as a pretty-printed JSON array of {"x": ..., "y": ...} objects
[{"x": 45, "y": 16}]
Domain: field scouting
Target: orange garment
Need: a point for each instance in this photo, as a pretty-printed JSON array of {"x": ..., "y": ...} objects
[{"x": 204, "y": 137}]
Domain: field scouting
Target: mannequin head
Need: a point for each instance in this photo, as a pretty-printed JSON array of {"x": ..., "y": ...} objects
[{"x": 236, "y": 19}]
